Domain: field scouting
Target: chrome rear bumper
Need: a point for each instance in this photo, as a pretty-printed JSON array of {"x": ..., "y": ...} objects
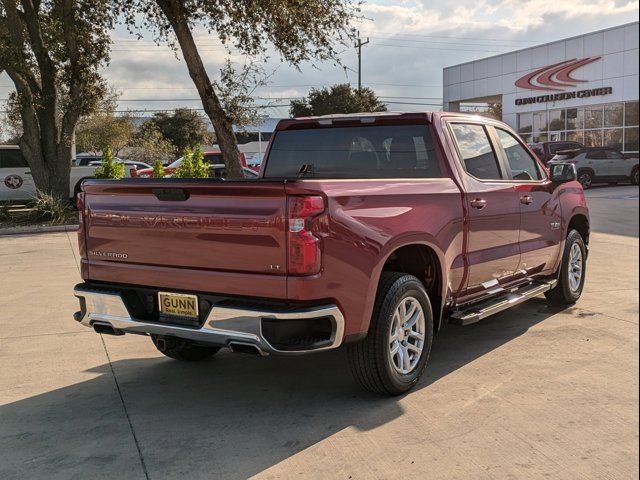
[{"x": 224, "y": 326}]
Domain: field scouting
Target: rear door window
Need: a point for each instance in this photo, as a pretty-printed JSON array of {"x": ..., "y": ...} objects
[
  {"x": 374, "y": 151},
  {"x": 597, "y": 155},
  {"x": 476, "y": 152},
  {"x": 523, "y": 166}
]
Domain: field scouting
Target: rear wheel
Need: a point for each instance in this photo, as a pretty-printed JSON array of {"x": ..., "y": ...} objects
[
  {"x": 572, "y": 272},
  {"x": 393, "y": 356},
  {"x": 585, "y": 177},
  {"x": 179, "y": 349}
]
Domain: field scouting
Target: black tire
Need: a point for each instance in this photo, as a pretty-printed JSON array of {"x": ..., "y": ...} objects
[
  {"x": 370, "y": 359},
  {"x": 634, "y": 176},
  {"x": 179, "y": 349},
  {"x": 562, "y": 294},
  {"x": 585, "y": 177}
]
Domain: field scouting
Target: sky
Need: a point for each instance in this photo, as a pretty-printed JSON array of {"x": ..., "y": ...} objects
[{"x": 410, "y": 42}]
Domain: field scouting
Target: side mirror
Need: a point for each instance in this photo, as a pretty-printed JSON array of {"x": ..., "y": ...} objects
[{"x": 563, "y": 172}]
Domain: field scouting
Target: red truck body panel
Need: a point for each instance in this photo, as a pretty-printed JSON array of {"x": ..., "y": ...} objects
[{"x": 226, "y": 237}]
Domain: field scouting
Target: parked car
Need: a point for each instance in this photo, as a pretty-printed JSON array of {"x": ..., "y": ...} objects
[
  {"x": 547, "y": 150},
  {"x": 85, "y": 159},
  {"x": 131, "y": 167},
  {"x": 370, "y": 230},
  {"x": 219, "y": 171},
  {"x": 600, "y": 164},
  {"x": 211, "y": 157},
  {"x": 16, "y": 180}
]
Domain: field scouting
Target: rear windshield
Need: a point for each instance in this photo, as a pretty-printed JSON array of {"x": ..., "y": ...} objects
[{"x": 398, "y": 151}]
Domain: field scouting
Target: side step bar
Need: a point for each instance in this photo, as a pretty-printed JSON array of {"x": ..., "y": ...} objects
[{"x": 479, "y": 311}]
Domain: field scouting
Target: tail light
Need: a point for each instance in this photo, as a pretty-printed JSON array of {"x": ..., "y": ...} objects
[
  {"x": 243, "y": 159},
  {"x": 82, "y": 244},
  {"x": 304, "y": 247}
]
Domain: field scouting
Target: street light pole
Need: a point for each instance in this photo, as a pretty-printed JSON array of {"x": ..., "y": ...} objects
[{"x": 359, "y": 45}]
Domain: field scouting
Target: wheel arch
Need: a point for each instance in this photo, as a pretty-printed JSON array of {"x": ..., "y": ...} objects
[
  {"x": 429, "y": 268},
  {"x": 580, "y": 222}
]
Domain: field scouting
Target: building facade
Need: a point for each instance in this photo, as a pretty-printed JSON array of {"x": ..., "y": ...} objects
[{"x": 583, "y": 88}]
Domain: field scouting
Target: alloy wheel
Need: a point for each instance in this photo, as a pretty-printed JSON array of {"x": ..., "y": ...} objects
[
  {"x": 575, "y": 267},
  {"x": 585, "y": 180},
  {"x": 406, "y": 335}
]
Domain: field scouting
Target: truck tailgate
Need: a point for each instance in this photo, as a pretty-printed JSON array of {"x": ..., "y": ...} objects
[{"x": 151, "y": 228}]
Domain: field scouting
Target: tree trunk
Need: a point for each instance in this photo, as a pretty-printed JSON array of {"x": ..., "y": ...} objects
[
  {"x": 222, "y": 124},
  {"x": 50, "y": 167}
]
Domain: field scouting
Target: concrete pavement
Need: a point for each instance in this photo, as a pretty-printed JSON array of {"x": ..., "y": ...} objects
[{"x": 529, "y": 393}]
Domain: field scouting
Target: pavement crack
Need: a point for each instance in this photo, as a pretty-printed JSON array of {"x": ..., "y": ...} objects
[{"x": 126, "y": 412}]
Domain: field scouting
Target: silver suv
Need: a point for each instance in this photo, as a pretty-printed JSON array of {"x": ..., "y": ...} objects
[{"x": 600, "y": 164}]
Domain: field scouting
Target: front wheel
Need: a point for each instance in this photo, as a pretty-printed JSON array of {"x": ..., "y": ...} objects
[
  {"x": 585, "y": 177},
  {"x": 395, "y": 353},
  {"x": 634, "y": 176},
  {"x": 572, "y": 272}
]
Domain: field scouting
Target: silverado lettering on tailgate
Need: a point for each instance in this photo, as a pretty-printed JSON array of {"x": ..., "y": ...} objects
[{"x": 183, "y": 221}]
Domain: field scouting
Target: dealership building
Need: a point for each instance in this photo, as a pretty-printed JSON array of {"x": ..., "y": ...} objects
[{"x": 583, "y": 88}]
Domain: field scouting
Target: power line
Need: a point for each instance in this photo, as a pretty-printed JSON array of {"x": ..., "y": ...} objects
[
  {"x": 438, "y": 48},
  {"x": 455, "y": 37}
]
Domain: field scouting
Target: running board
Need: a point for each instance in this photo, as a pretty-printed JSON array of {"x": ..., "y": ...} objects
[{"x": 479, "y": 311}]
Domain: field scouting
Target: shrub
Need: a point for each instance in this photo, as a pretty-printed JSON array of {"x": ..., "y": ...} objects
[
  {"x": 109, "y": 168},
  {"x": 193, "y": 165},
  {"x": 158, "y": 169},
  {"x": 49, "y": 208}
]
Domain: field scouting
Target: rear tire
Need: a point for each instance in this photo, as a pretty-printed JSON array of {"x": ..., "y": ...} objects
[
  {"x": 585, "y": 177},
  {"x": 402, "y": 322},
  {"x": 569, "y": 287},
  {"x": 179, "y": 349}
]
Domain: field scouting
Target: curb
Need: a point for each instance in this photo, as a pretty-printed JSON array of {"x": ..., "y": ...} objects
[{"x": 37, "y": 229}]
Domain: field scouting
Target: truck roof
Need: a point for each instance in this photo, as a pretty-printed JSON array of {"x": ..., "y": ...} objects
[
  {"x": 353, "y": 118},
  {"x": 371, "y": 117}
]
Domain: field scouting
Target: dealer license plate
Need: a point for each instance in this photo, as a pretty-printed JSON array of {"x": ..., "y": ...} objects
[{"x": 178, "y": 304}]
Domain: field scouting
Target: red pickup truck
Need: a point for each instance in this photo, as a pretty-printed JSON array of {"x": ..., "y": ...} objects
[{"x": 371, "y": 231}]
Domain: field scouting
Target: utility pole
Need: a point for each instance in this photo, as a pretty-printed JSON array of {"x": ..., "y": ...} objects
[{"x": 359, "y": 45}]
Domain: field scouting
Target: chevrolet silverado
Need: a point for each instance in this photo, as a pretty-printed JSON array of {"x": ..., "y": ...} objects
[{"x": 371, "y": 231}]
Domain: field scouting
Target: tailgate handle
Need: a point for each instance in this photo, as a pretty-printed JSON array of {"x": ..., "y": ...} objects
[{"x": 171, "y": 194}]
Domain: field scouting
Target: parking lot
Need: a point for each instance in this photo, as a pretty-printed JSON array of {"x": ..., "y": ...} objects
[{"x": 529, "y": 393}]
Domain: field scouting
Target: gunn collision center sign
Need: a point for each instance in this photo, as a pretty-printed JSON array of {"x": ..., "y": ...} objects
[{"x": 557, "y": 77}]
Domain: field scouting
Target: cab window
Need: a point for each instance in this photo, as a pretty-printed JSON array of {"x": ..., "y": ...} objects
[
  {"x": 523, "y": 166},
  {"x": 476, "y": 152}
]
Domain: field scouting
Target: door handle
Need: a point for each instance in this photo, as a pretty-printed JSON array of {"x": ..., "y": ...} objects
[
  {"x": 526, "y": 199},
  {"x": 28, "y": 172},
  {"x": 479, "y": 203}
]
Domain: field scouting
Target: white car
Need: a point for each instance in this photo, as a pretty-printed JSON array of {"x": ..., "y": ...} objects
[
  {"x": 600, "y": 165},
  {"x": 16, "y": 181}
]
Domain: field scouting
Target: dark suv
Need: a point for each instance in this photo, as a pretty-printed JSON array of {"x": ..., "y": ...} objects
[{"x": 547, "y": 150}]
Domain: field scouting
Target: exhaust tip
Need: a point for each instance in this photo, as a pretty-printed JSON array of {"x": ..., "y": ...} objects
[
  {"x": 106, "y": 329},
  {"x": 238, "y": 347}
]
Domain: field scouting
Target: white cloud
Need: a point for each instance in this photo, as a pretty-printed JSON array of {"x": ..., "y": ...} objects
[{"x": 411, "y": 41}]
